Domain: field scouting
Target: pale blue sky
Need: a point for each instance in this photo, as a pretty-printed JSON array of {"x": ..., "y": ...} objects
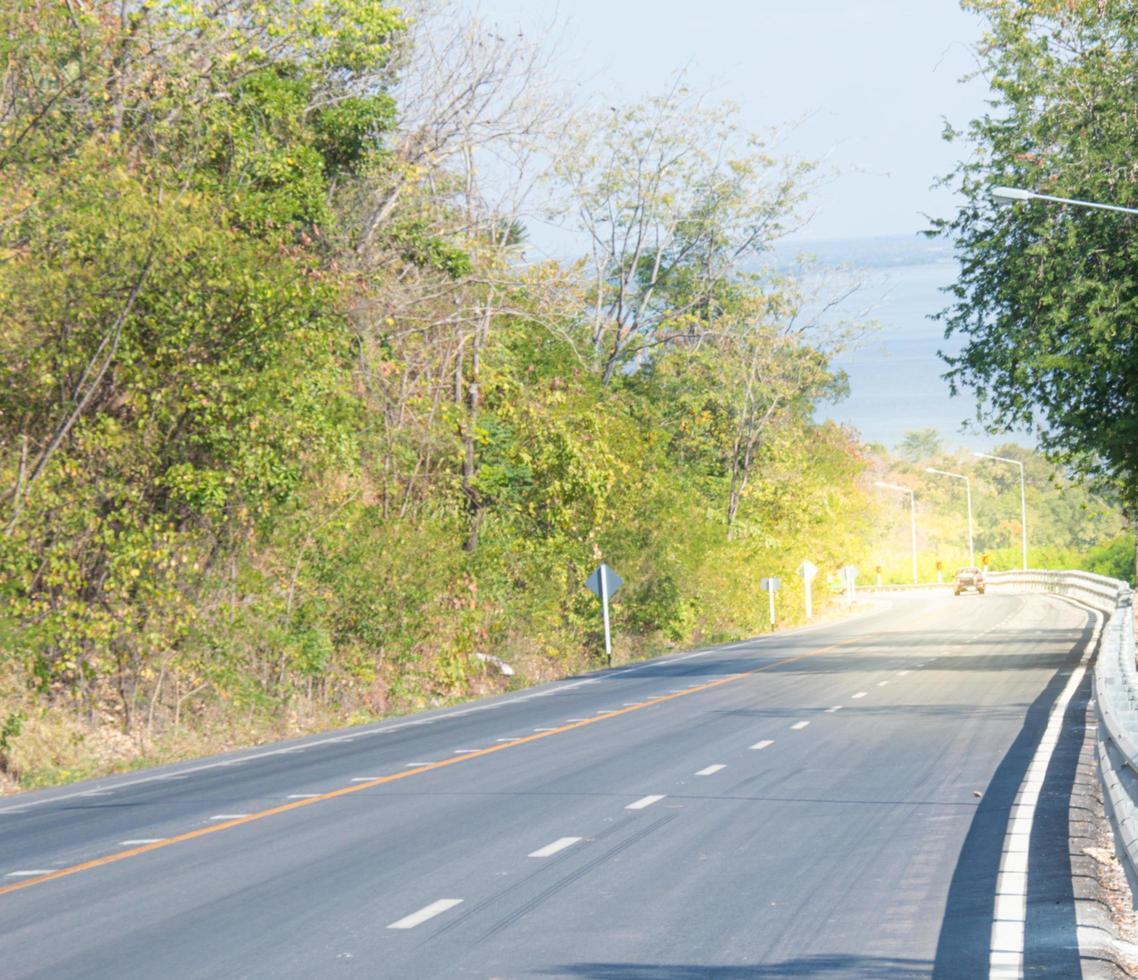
[
  {"x": 860, "y": 84},
  {"x": 864, "y": 86}
]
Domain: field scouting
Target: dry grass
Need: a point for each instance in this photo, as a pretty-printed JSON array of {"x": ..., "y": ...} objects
[{"x": 54, "y": 746}]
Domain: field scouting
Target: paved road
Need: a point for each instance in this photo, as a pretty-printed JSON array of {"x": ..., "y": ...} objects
[{"x": 830, "y": 802}]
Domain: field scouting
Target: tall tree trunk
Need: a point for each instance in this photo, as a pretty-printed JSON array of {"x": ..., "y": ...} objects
[{"x": 475, "y": 505}]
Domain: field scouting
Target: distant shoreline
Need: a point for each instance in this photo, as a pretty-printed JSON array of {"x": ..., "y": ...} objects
[{"x": 880, "y": 252}]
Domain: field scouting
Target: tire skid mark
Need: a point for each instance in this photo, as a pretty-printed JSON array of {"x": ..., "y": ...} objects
[
  {"x": 545, "y": 869},
  {"x": 566, "y": 880}
]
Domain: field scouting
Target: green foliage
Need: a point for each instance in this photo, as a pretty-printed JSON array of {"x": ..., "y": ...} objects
[
  {"x": 922, "y": 444},
  {"x": 174, "y": 367},
  {"x": 1114, "y": 559},
  {"x": 673, "y": 197},
  {"x": 269, "y": 448},
  {"x": 1047, "y": 295},
  {"x": 419, "y": 245},
  {"x": 348, "y": 133},
  {"x": 12, "y": 726},
  {"x": 1068, "y": 525}
]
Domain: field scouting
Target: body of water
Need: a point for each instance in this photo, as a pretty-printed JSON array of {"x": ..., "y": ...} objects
[{"x": 895, "y": 374}]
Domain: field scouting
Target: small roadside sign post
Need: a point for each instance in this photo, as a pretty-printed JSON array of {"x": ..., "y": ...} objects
[
  {"x": 849, "y": 576},
  {"x": 770, "y": 586},
  {"x": 603, "y": 583},
  {"x": 808, "y": 570},
  {"x": 939, "y": 572}
]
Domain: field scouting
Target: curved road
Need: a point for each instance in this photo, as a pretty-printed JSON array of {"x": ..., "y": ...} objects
[{"x": 825, "y": 802}]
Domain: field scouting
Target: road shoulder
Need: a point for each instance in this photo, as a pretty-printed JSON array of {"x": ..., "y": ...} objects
[{"x": 1107, "y": 922}]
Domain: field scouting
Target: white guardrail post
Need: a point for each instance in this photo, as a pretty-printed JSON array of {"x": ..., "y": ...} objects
[{"x": 1115, "y": 691}]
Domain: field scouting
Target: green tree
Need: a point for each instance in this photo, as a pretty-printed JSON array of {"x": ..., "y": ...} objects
[
  {"x": 175, "y": 362},
  {"x": 919, "y": 444},
  {"x": 672, "y": 199},
  {"x": 271, "y": 353},
  {"x": 1047, "y": 296}
]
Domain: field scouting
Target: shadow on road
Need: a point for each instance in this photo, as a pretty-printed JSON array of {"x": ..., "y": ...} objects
[
  {"x": 1052, "y": 940},
  {"x": 965, "y": 937},
  {"x": 835, "y": 965},
  {"x": 888, "y": 653}
]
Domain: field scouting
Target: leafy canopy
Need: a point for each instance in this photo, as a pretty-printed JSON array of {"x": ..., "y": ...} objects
[{"x": 1048, "y": 295}]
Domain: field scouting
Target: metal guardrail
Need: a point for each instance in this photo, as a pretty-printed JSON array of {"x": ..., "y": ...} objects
[
  {"x": 1086, "y": 584},
  {"x": 1115, "y": 692},
  {"x": 1096, "y": 590},
  {"x": 1115, "y": 689},
  {"x": 1116, "y": 704}
]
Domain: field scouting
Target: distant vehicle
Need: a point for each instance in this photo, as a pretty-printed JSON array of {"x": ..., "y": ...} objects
[{"x": 969, "y": 577}]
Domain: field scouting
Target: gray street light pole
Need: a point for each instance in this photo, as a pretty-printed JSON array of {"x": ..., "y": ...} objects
[
  {"x": 1022, "y": 500},
  {"x": 1009, "y": 195},
  {"x": 968, "y": 497},
  {"x": 912, "y": 518}
]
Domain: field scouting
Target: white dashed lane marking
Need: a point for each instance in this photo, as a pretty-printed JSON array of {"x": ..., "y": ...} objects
[
  {"x": 418, "y": 918},
  {"x": 765, "y": 743},
  {"x": 860, "y": 694},
  {"x": 799, "y": 725},
  {"x": 141, "y": 840},
  {"x": 29, "y": 874},
  {"x": 558, "y": 845},
  {"x": 711, "y": 770},
  {"x": 835, "y": 708},
  {"x": 559, "y": 688},
  {"x": 644, "y": 801}
]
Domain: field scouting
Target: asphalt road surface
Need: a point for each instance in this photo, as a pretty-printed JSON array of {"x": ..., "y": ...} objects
[{"x": 831, "y": 802}]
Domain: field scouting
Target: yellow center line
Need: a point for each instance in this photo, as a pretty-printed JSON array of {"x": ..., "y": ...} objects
[{"x": 407, "y": 773}]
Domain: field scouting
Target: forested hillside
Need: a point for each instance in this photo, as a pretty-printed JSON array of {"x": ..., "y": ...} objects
[
  {"x": 1068, "y": 525},
  {"x": 294, "y": 422}
]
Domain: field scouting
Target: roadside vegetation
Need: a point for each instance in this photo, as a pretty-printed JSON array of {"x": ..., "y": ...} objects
[
  {"x": 1046, "y": 299},
  {"x": 1069, "y": 526},
  {"x": 293, "y": 422},
  {"x": 298, "y": 426}
]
